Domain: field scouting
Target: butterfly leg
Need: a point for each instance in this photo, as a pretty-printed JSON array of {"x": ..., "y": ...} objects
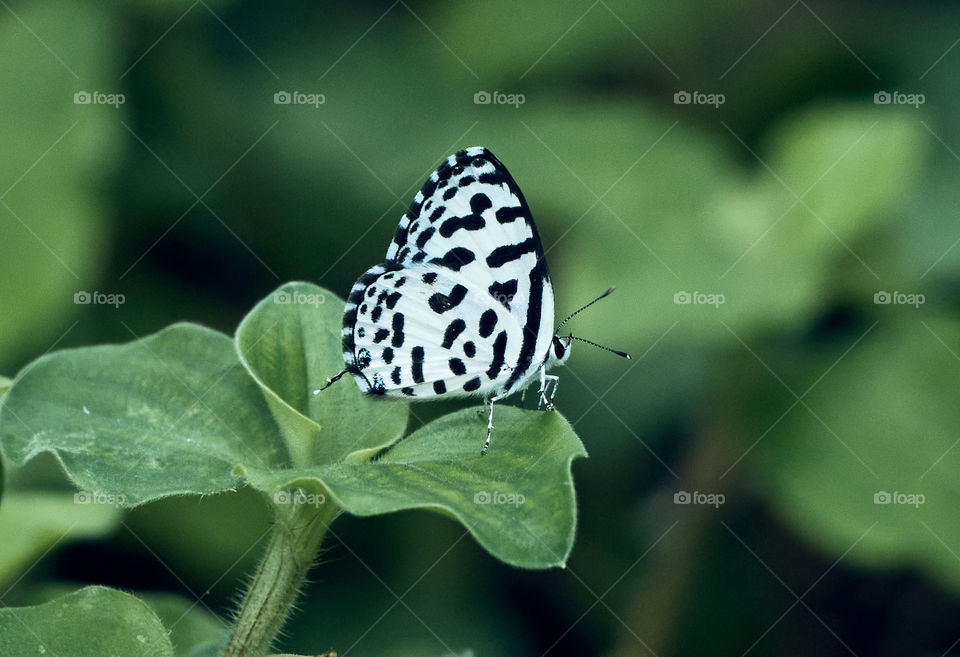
[
  {"x": 330, "y": 382},
  {"x": 544, "y": 380},
  {"x": 490, "y": 424}
]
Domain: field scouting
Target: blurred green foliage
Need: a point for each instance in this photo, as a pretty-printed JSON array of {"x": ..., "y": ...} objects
[{"x": 627, "y": 188}]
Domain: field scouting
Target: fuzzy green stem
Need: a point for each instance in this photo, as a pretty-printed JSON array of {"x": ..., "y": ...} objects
[{"x": 293, "y": 548}]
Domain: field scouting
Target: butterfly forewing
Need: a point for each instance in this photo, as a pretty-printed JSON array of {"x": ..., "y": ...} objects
[{"x": 463, "y": 303}]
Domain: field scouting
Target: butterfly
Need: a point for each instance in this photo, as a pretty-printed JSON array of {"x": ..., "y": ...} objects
[{"x": 463, "y": 304}]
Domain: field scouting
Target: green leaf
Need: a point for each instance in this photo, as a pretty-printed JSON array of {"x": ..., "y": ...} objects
[
  {"x": 32, "y": 523},
  {"x": 189, "y": 623},
  {"x": 517, "y": 500},
  {"x": 93, "y": 622},
  {"x": 174, "y": 413},
  {"x": 290, "y": 344},
  {"x": 889, "y": 425}
]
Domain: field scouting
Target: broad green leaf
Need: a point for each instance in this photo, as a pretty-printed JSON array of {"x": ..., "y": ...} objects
[
  {"x": 31, "y": 523},
  {"x": 517, "y": 500},
  {"x": 889, "y": 426},
  {"x": 174, "y": 413},
  {"x": 93, "y": 622},
  {"x": 290, "y": 343},
  {"x": 190, "y": 624}
]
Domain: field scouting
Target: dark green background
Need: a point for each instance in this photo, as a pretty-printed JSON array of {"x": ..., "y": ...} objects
[{"x": 798, "y": 199}]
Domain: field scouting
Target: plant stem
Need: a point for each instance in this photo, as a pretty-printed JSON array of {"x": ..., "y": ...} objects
[{"x": 294, "y": 545}]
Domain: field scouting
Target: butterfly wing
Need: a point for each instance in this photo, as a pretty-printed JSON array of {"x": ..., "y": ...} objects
[
  {"x": 471, "y": 218},
  {"x": 424, "y": 331}
]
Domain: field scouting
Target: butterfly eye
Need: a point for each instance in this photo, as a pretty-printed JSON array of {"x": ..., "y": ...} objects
[{"x": 558, "y": 348}]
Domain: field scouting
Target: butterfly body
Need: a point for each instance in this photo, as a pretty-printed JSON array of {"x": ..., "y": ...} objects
[{"x": 463, "y": 303}]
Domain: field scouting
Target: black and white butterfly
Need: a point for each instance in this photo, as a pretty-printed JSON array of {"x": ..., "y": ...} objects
[{"x": 463, "y": 304}]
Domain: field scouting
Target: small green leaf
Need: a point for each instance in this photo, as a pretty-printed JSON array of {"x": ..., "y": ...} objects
[
  {"x": 174, "y": 413},
  {"x": 517, "y": 500},
  {"x": 290, "y": 343},
  {"x": 31, "y": 523},
  {"x": 93, "y": 622}
]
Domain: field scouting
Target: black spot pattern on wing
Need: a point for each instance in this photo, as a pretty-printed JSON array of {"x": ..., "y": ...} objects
[
  {"x": 429, "y": 277},
  {"x": 395, "y": 375},
  {"x": 488, "y": 322},
  {"x": 458, "y": 257},
  {"x": 453, "y": 224},
  {"x": 506, "y": 215},
  {"x": 472, "y": 384},
  {"x": 454, "y": 329},
  {"x": 480, "y": 202},
  {"x": 425, "y": 235},
  {"x": 387, "y": 355},
  {"x": 439, "y": 387},
  {"x": 504, "y": 292},
  {"x": 457, "y": 366},
  {"x": 408, "y": 391},
  {"x": 510, "y": 252},
  {"x": 499, "y": 349},
  {"x": 363, "y": 358},
  {"x": 469, "y": 349},
  {"x": 380, "y": 335},
  {"x": 441, "y": 303},
  {"x": 392, "y": 300},
  {"x": 397, "y": 339},
  {"x": 375, "y": 315},
  {"x": 416, "y": 366}
]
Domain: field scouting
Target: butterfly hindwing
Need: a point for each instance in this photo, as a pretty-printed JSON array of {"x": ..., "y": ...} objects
[{"x": 422, "y": 332}]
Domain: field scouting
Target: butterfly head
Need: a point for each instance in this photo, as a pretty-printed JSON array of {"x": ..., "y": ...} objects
[{"x": 559, "y": 350}]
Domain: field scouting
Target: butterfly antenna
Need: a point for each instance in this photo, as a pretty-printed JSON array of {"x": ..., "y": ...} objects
[
  {"x": 622, "y": 354},
  {"x": 577, "y": 312}
]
